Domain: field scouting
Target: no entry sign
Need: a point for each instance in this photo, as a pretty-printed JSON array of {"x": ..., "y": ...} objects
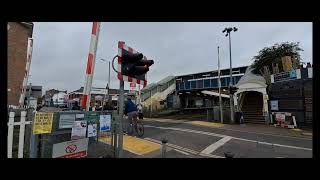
[{"x": 71, "y": 149}]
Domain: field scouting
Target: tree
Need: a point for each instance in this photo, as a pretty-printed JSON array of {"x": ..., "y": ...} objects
[{"x": 271, "y": 55}]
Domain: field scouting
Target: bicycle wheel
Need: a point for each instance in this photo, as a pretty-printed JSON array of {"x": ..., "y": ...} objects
[
  {"x": 130, "y": 130},
  {"x": 139, "y": 129}
]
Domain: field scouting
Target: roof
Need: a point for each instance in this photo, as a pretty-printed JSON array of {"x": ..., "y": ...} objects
[
  {"x": 250, "y": 77},
  {"x": 165, "y": 80},
  {"x": 111, "y": 91},
  {"x": 211, "y": 71},
  {"x": 150, "y": 86},
  {"x": 161, "y": 82}
]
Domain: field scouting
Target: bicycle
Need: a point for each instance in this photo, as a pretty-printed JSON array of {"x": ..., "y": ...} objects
[{"x": 136, "y": 125}]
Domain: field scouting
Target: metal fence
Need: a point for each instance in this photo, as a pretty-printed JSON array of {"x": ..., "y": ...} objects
[{"x": 104, "y": 144}]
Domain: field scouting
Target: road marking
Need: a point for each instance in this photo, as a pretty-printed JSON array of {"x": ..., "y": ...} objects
[
  {"x": 221, "y": 135},
  {"x": 210, "y": 149},
  {"x": 176, "y": 147},
  {"x": 206, "y": 124},
  {"x": 135, "y": 145},
  {"x": 188, "y": 130},
  {"x": 181, "y": 152},
  {"x": 188, "y": 122}
]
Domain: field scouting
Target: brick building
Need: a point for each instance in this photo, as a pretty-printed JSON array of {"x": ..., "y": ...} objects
[{"x": 18, "y": 34}]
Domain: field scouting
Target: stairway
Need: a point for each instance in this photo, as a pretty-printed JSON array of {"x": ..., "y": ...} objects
[{"x": 252, "y": 108}]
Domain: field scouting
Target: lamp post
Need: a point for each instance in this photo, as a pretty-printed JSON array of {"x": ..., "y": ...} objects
[
  {"x": 228, "y": 33},
  {"x": 108, "y": 85}
]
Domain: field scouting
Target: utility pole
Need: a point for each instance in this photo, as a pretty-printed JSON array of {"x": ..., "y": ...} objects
[
  {"x": 121, "y": 98},
  {"x": 228, "y": 30},
  {"x": 220, "y": 99}
]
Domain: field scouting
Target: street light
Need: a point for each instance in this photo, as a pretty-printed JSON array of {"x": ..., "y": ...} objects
[
  {"x": 228, "y": 33},
  {"x": 108, "y": 84}
]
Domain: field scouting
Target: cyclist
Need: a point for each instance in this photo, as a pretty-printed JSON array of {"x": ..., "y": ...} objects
[{"x": 130, "y": 110}]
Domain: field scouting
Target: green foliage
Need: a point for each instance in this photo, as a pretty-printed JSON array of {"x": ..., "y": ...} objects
[{"x": 273, "y": 54}]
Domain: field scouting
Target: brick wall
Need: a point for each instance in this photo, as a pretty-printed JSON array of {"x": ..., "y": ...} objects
[{"x": 17, "y": 57}]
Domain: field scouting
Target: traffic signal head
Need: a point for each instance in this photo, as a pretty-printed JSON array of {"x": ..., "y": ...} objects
[{"x": 133, "y": 65}]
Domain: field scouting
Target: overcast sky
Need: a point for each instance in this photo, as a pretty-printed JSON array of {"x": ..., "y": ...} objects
[{"x": 61, "y": 49}]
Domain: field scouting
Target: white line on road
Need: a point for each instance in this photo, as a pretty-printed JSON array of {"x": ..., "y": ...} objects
[
  {"x": 223, "y": 128},
  {"x": 221, "y": 135},
  {"x": 181, "y": 152},
  {"x": 186, "y": 150},
  {"x": 216, "y": 145}
]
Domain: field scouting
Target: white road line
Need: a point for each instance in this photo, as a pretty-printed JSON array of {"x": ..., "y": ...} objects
[
  {"x": 186, "y": 150},
  {"x": 216, "y": 145},
  {"x": 182, "y": 152},
  {"x": 210, "y": 155},
  {"x": 222, "y": 128},
  {"x": 221, "y": 135}
]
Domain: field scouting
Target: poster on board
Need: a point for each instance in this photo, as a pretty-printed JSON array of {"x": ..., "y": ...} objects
[
  {"x": 105, "y": 123},
  {"x": 79, "y": 130}
]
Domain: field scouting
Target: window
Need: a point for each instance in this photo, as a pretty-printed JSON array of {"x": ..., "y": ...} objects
[
  {"x": 236, "y": 79},
  {"x": 193, "y": 84},
  {"x": 228, "y": 81},
  {"x": 188, "y": 84},
  {"x": 223, "y": 82},
  {"x": 199, "y": 83},
  {"x": 206, "y": 83},
  {"x": 214, "y": 83},
  {"x": 182, "y": 85}
]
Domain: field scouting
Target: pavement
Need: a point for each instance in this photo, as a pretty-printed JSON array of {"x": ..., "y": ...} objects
[{"x": 199, "y": 139}]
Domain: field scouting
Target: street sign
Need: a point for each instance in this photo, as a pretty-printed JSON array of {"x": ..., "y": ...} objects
[
  {"x": 66, "y": 120},
  {"x": 71, "y": 149},
  {"x": 42, "y": 123}
]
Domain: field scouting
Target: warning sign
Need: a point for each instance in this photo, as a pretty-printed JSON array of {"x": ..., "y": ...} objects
[
  {"x": 71, "y": 149},
  {"x": 42, "y": 123},
  {"x": 280, "y": 117}
]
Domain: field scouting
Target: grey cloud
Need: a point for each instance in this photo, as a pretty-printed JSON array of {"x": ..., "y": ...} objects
[{"x": 61, "y": 49}]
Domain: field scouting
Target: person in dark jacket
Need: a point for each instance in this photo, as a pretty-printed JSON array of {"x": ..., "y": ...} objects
[{"x": 130, "y": 110}]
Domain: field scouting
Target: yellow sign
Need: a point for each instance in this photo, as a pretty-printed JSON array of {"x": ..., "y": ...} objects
[{"x": 42, "y": 123}]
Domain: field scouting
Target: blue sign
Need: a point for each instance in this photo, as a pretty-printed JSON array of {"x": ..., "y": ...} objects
[
  {"x": 105, "y": 123},
  {"x": 293, "y": 73}
]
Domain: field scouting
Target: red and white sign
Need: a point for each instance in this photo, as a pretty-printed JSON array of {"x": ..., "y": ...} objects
[
  {"x": 280, "y": 117},
  {"x": 123, "y": 46},
  {"x": 71, "y": 149}
]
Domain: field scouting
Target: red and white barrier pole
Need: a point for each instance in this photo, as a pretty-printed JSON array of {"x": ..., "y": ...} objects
[
  {"x": 90, "y": 65},
  {"x": 26, "y": 73}
]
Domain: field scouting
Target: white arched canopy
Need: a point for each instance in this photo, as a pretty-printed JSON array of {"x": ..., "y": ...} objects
[{"x": 252, "y": 82}]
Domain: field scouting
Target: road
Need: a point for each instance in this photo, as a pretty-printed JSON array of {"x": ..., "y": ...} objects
[{"x": 189, "y": 140}]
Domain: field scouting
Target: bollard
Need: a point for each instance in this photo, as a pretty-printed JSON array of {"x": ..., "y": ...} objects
[
  {"x": 228, "y": 155},
  {"x": 164, "y": 147}
]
